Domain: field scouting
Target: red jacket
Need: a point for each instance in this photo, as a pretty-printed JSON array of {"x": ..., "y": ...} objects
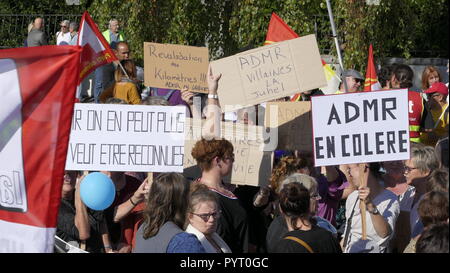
[{"x": 416, "y": 108}]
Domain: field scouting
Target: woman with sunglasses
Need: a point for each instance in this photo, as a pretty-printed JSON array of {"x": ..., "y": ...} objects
[
  {"x": 63, "y": 36},
  {"x": 203, "y": 214}
]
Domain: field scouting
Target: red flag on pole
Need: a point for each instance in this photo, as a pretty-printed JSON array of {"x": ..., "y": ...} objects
[
  {"x": 279, "y": 31},
  {"x": 96, "y": 50},
  {"x": 371, "y": 83},
  {"x": 37, "y": 91}
]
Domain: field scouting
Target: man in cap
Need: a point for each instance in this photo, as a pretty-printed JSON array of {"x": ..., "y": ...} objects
[{"x": 354, "y": 81}]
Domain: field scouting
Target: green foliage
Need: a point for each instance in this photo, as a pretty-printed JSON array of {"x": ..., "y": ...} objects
[
  {"x": 39, "y": 7},
  {"x": 396, "y": 28}
]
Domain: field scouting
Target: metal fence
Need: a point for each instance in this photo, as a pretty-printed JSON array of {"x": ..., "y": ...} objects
[
  {"x": 14, "y": 27},
  {"x": 13, "y": 31}
]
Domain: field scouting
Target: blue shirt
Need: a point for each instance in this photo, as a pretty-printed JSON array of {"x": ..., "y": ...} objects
[
  {"x": 73, "y": 40},
  {"x": 185, "y": 243}
]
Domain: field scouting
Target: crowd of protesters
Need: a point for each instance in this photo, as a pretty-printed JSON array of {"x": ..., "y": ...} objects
[{"x": 303, "y": 209}]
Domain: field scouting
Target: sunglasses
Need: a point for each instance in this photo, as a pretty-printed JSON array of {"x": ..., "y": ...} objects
[{"x": 205, "y": 216}]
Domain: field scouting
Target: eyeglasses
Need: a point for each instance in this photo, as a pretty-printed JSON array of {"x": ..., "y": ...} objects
[
  {"x": 64, "y": 26},
  {"x": 205, "y": 216},
  {"x": 408, "y": 169}
]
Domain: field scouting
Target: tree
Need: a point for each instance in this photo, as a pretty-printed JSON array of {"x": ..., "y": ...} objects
[{"x": 396, "y": 28}]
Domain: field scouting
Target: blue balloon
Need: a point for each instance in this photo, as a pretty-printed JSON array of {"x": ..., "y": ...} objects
[{"x": 97, "y": 191}]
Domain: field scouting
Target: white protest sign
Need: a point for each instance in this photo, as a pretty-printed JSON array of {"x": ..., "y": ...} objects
[
  {"x": 137, "y": 138},
  {"x": 360, "y": 127}
]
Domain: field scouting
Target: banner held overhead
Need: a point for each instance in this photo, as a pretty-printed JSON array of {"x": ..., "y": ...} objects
[
  {"x": 269, "y": 72},
  {"x": 176, "y": 67}
]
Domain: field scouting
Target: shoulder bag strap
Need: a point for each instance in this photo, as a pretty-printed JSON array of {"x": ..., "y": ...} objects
[
  {"x": 349, "y": 224},
  {"x": 303, "y": 243}
]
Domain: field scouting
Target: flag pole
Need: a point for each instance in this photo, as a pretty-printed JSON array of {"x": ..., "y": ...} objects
[
  {"x": 123, "y": 70},
  {"x": 336, "y": 41}
]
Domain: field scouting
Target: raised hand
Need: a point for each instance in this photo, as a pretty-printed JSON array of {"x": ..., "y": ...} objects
[
  {"x": 213, "y": 81},
  {"x": 187, "y": 96}
]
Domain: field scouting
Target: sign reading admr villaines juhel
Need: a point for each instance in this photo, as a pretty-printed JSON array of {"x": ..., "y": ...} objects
[
  {"x": 113, "y": 137},
  {"x": 360, "y": 127}
]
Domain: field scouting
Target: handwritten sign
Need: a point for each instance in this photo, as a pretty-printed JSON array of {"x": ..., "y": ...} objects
[
  {"x": 126, "y": 138},
  {"x": 360, "y": 127},
  {"x": 294, "y": 125},
  {"x": 252, "y": 166},
  {"x": 176, "y": 67},
  {"x": 269, "y": 72}
]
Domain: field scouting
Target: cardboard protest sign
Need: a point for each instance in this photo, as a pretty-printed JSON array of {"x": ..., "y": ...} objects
[
  {"x": 252, "y": 166},
  {"x": 293, "y": 123},
  {"x": 137, "y": 138},
  {"x": 176, "y": 67},
  {"x": 360, "y": 127},
  {"x": 269, "y": 72}
]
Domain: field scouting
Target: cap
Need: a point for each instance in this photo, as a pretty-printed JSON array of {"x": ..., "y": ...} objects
[
  {"x": 437, "y": 87},
  {"x": 353, "y": 73}
]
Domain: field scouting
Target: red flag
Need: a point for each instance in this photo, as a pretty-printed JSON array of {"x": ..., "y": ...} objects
[
  {"x": 279, "y": 31},
  {"x": 37, "y": 91},
  {"x": 371, "y": 83},
  {"x": 96, "y": 50}
]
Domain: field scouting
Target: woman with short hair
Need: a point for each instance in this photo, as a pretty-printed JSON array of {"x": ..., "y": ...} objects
[
  {"x": 73, "y": 30},
  {"x": 417, "y": 169},
  {"x": 63, "y": 36}
]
